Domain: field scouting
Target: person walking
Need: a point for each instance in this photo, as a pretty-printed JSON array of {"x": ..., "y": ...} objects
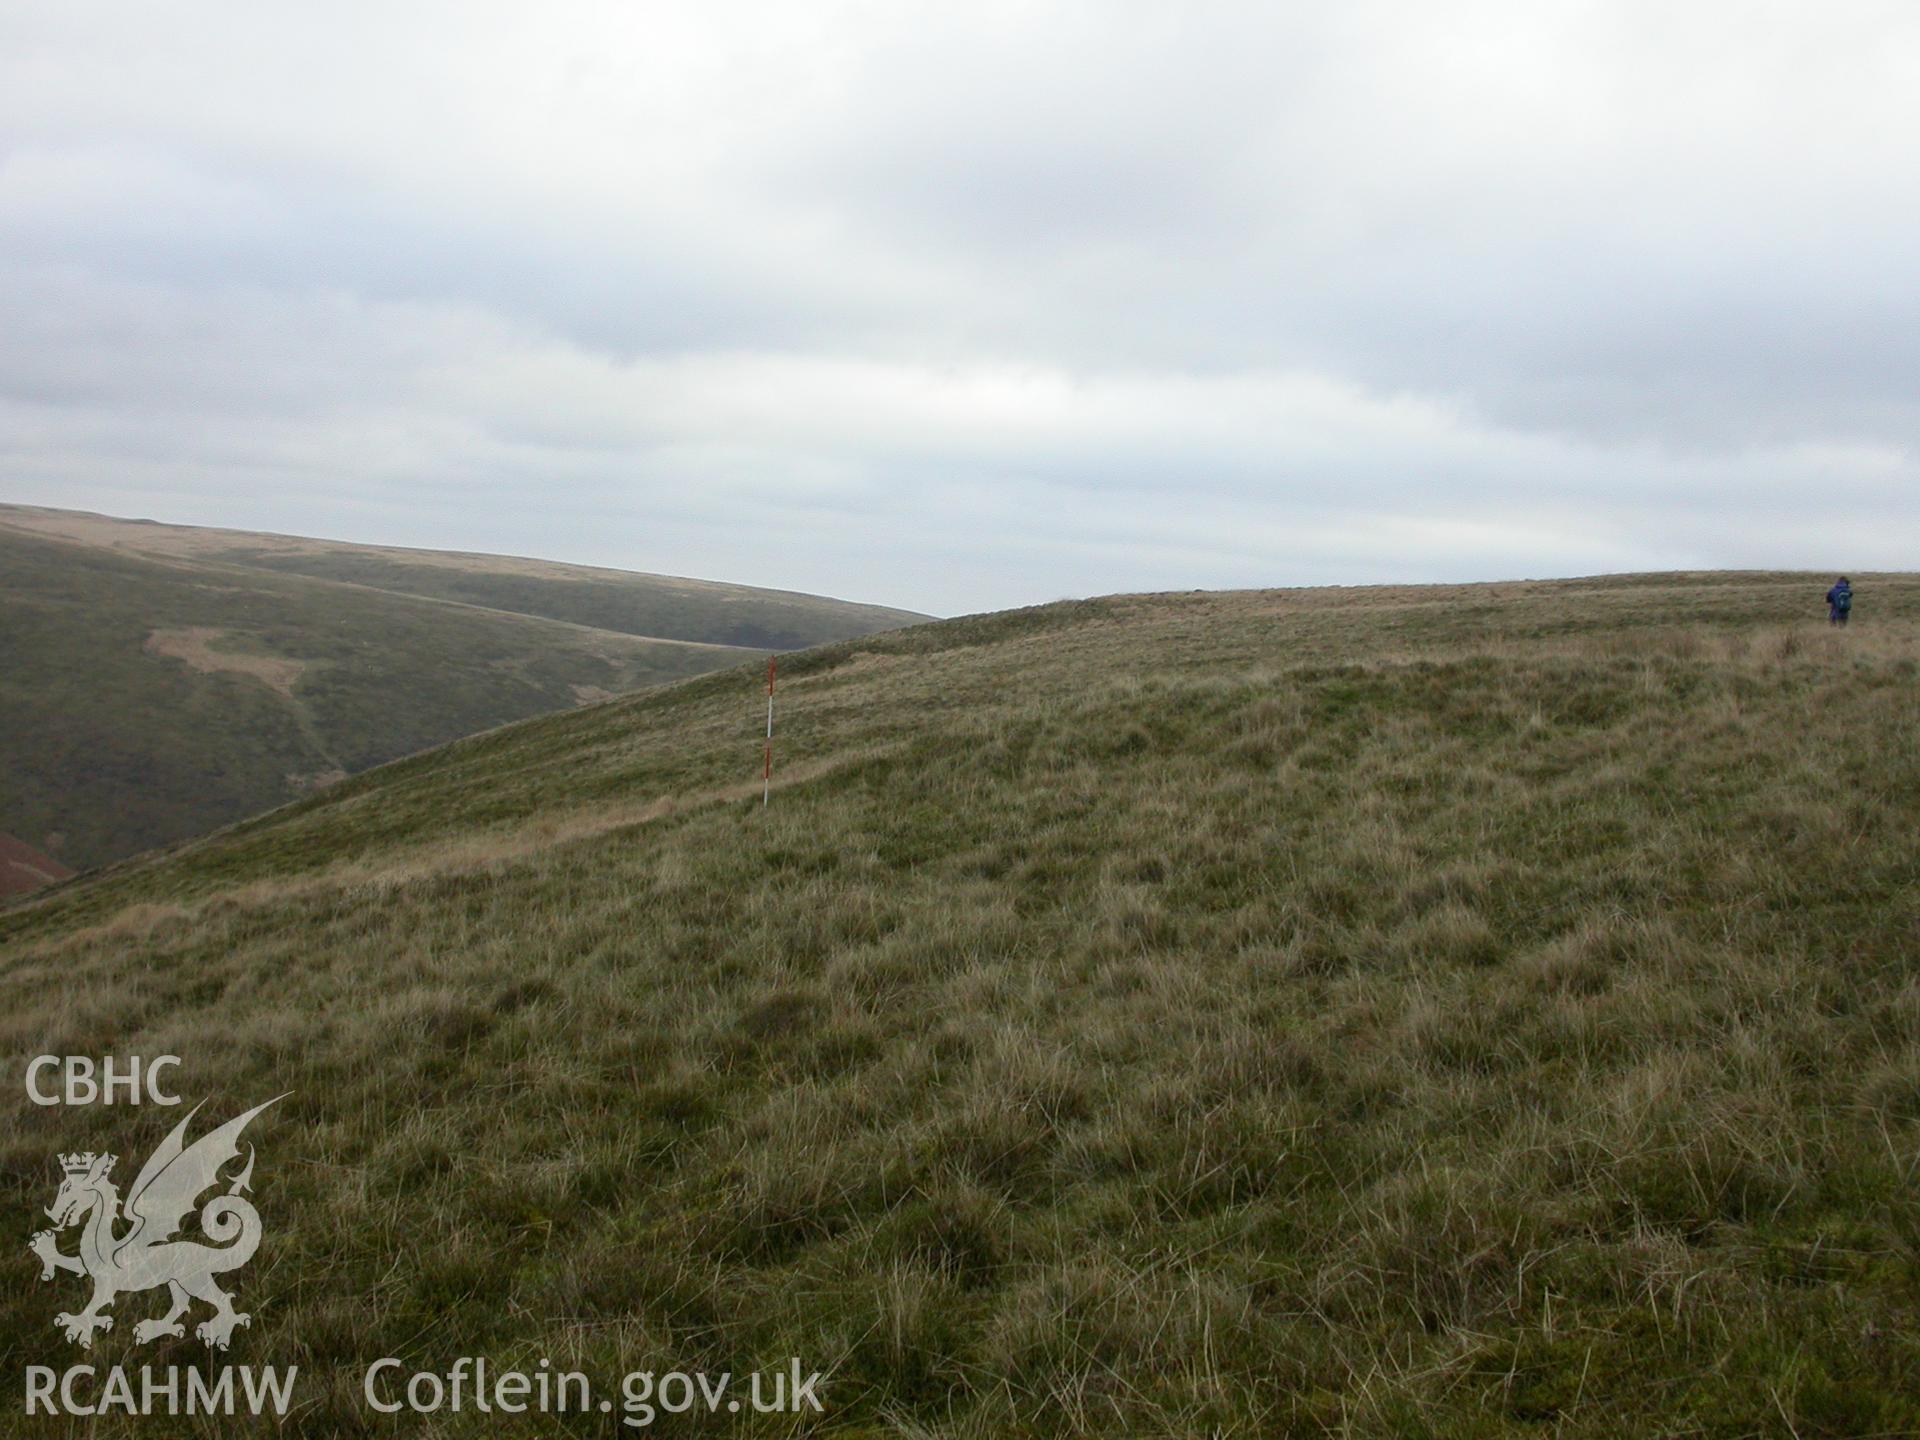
[{"x": 1839, "y": 602}]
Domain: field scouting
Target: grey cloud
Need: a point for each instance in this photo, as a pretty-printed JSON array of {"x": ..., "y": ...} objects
[{"x": 979, "y": 305}]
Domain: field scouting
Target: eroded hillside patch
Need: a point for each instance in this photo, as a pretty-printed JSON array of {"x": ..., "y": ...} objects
[{"x": 198, "y": 646}]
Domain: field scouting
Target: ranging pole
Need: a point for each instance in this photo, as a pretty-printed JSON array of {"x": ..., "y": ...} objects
[{"x": 766, "y": 792}]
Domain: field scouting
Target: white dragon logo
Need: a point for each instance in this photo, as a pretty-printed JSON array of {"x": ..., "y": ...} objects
[{"x": 146, "y": 1256}]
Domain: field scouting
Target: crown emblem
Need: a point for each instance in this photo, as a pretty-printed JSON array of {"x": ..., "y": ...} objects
[{"x": 81, "y": 1162}]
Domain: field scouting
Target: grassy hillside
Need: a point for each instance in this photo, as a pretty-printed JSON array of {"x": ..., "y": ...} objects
[
  {"x": 1472, "y": 1012},
  {"x": 156, "y": 682},
  {"x": 657, "y": 606}
]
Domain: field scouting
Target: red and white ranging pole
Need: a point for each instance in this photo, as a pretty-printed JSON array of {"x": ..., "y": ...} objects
[{"x": 766, "y": 792}]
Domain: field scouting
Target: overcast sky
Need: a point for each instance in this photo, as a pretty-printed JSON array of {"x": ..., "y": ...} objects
[{"x": 962, "y": 306}]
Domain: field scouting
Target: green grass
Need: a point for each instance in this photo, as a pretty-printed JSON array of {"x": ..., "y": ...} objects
[
  {"x": 1474, "y": 1012},
  {"x": 113, "y": 746}
]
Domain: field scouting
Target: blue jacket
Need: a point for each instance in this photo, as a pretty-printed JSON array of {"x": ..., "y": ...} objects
[{"x": 1840, "y": 597}]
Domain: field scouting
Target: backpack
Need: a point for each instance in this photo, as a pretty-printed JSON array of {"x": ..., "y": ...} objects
[{"x": 1842, "y": 599}]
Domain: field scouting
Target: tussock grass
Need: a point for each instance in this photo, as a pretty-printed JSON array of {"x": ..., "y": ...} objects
[{"x": 1474, "y": 1012}]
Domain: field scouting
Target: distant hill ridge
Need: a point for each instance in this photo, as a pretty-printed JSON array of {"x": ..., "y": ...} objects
[
  {"x": 661, "y": 607},
  {"x": 158, "y": 681}
]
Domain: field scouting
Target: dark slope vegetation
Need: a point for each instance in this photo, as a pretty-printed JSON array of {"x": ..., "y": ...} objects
[
  {"x": 1463, "y": 1012},
  {"x": 604, "y": 599},
  {"x": 156, "y": 682},
  {"x": 23, "y": 868},
  {"x": 144, "y": 701}
]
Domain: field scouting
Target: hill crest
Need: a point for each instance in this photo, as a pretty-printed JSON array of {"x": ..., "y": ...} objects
[{"x": 1458, "y": 1010}]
